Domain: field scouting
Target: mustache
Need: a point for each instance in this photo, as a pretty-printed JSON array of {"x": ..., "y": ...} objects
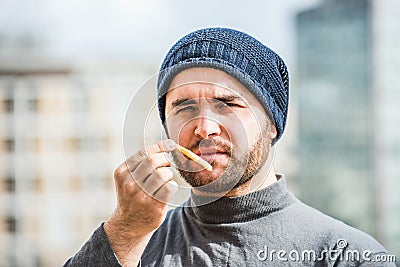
[{"x": 208, "y": 143}]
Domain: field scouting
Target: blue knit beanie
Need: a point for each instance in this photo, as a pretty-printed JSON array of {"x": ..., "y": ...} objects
[{"x": 256, "y": 66}]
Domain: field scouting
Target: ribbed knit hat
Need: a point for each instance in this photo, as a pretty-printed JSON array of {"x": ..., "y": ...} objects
[{"x": 256, "y": 66}]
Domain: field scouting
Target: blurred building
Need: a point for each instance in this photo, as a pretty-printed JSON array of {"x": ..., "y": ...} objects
[
  {"x": 348, "y": 91},
  {"x": 60, "y": 140}
]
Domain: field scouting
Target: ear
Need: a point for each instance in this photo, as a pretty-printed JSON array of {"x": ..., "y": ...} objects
[{"x": 273, "y": 132}]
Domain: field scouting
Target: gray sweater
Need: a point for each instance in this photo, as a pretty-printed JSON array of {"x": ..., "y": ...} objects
[{"x": 269, "y": 227}]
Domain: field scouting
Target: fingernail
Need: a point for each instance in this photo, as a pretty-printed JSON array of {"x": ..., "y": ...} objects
[{"x": 170, "y": 144}]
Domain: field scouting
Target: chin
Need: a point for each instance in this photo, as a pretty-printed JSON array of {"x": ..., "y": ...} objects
[
  {"x": 206, "y": 177},
  {"x": 216, "y": 181}
]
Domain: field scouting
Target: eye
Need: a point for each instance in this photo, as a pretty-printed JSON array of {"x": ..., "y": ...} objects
[
  {"x": 232, "y": 105},
  {"x": 185, "y": 109},
  {"x": 228, "y": 104}
]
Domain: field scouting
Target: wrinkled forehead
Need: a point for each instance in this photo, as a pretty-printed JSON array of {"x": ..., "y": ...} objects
[
  {"x": 202, "y": 89},
  {"x": 206, "y": 82}
]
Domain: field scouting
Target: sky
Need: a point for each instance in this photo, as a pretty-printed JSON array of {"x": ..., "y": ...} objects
[{"x": 142, "y": 29}]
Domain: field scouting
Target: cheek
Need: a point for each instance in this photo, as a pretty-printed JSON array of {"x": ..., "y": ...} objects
[
  {"x": 179, "y": 131},
  {"x": 246, "y": 131},
  {"x": 184, "y": 136}
]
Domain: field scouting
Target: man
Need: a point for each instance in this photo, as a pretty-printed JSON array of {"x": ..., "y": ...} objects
[{"x": 224, "y": 96}]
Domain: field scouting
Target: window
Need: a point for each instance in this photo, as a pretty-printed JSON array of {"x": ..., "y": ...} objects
[
  {"x": 38, "y": 184},
  {"x": 74, "y": 183},
  {"x": 9, "y": 145},
  {"x": 73, "y": 144},
  {"x": 11, "y": 224},
  {"x": 9, "y": 183},
  {"x": 8, "y": 105}
]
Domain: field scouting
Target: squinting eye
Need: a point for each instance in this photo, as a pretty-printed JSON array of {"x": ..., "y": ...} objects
[
  {"x": 232, "y": 105},
  {"x": 227, "y": 104},
  {"x": 186, "y": 108}
]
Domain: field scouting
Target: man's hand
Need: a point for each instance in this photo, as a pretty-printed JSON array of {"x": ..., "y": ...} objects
[{"x": 144, "y": 185}]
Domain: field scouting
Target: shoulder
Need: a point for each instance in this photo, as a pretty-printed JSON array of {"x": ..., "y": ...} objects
[
  {"x": 330, "y": 238},
  {"x": 330, "y": 230}
]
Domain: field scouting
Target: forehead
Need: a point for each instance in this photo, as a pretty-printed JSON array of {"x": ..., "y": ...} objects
[{"x": 206, "y": 82}]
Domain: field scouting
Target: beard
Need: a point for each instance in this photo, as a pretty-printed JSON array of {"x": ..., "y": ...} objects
[{"x": 237, "y": 172}]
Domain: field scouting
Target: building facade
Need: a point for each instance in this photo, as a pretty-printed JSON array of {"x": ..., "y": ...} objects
[
  {"x": 347, "y": 92},
  {"x": 60, "y": 141}
]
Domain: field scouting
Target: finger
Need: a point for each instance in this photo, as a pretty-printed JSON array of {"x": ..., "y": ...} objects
[
  {"x": 156, "y": 180},
  {"x": 149, "y": 166},
  {"x": 167, "y": 145},
  {"x": 166, "y": 191},
  {"x": 121, "y": 173}
]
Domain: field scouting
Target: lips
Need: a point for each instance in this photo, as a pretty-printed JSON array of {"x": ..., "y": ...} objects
[
  {"x": 210, "y": 154},
  {"x": 208, "y": 150}
]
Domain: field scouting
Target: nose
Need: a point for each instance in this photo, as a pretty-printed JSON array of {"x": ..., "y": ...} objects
[{"x": 207, "y": 127}]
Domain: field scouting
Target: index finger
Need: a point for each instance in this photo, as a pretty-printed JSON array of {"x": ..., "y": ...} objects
[{"x": 167, "y": 145}]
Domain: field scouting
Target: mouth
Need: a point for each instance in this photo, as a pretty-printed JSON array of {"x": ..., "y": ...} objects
[{"x": 210, "y": 154}]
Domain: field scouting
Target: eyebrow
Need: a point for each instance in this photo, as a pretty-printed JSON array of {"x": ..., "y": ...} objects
[
  {"x": 222, "y": 98},
  {"x": 180, "y": 101}
]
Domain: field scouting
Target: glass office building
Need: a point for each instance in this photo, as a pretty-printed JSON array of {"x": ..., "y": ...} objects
[{"x": 348, "y": 95}]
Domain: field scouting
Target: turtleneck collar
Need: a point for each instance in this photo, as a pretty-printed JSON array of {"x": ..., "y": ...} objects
[{"x": 242, "y": 208}]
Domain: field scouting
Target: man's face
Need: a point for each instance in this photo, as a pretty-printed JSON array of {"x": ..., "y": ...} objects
[{"x": 217, "y": 118}]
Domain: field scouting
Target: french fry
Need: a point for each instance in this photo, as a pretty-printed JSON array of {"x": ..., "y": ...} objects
[{"x": 194, "y": 157}]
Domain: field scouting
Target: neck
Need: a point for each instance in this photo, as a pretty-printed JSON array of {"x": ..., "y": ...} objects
[
  {"x": 261, "y": 180},
  {"x": 241, "y": 208}
]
